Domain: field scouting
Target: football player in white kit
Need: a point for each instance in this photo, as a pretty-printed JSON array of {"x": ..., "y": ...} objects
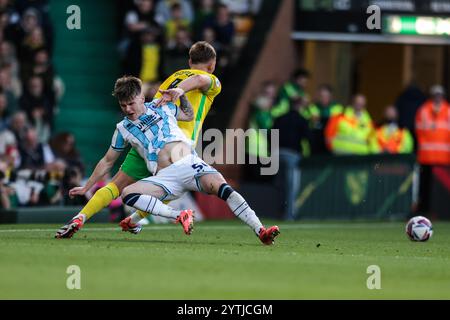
[{"x": 170, "y": 157}]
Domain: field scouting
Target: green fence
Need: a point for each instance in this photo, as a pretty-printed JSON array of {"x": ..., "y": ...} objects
[{"x": 350, "y": 187}]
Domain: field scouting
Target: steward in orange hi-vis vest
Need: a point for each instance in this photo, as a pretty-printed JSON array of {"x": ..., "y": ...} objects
[
  {"x": 433, "y": 133},
  {"x": 393, "y": 139}
]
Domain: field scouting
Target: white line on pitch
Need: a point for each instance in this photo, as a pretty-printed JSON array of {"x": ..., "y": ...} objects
[{"x": 288, "y": 226}]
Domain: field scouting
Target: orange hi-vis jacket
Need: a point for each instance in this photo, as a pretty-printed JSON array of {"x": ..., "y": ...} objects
[
  {"x": 346, "y": 133},
  {"x": 433, "y": 134},
  {"x": 393, "y": 139}
]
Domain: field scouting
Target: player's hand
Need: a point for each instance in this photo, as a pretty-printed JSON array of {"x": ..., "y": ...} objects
[
  {"x": 77, "y": 191},
  {"x": 169, "y": 95}
]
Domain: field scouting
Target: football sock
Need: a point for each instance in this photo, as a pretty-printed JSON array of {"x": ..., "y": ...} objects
[
  {"x": 151, "y": 205},
  {"x": 138, "y": 215},
  {"x": 240, "y": 207},
  {"x": 100, "y": 199}
]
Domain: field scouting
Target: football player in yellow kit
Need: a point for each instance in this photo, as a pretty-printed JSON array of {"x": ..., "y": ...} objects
[{"x": 200, "y": 87}]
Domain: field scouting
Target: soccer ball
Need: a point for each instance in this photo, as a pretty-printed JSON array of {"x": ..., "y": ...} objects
[{"x": 419, "y": 229}]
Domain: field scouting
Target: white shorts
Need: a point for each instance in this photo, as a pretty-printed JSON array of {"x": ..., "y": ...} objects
[{"x": 181, "y": 176}]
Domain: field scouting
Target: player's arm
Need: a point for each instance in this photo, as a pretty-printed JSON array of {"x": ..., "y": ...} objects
[
  {"x": 201, "y": 82},
  {"x": 102, "y": 167},
  {"x": 186, "y": 113}
]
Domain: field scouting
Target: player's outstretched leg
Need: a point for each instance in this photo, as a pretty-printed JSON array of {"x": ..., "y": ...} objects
[
  {"x": 267, "y": 236},
  {"x": 69, "y": 229},
  {"x": 216, "y": 184},
  {"x": 131, "y": 223},
  {"x": 153, "y": 205},
  {"x": 186, "y": 218},
  {"x": 99, "y": 200},
  {"x": 242, "y": 210},
  {"x": 130, "y": 227}
]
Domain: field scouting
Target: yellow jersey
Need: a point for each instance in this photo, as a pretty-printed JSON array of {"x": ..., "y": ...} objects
[{"x": 201, "y": 101}]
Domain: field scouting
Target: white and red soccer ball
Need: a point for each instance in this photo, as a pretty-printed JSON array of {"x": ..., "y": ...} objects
[{"x": 419, "y": 229}]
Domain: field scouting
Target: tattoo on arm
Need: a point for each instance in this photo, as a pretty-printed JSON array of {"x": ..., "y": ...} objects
[{"x": 186, "y": 106}]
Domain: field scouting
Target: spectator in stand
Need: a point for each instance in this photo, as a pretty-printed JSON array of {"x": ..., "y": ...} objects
[
  {"x": 163, "y": 10},
  {"x": 293, "y": 128},
  {"x": 176, "y": 53},
  {"x": 5, "y": 191},
  {"x": 318, "y": 115},
  {"x": 3, "y": 110},
  {"x": 32, "y": 42},
  {"x": 223, "y": 55},
  {"x": 175, "y": 23},
  {"x": 72, "y": 178},
  {"x": 260, "y": 118},
  {"x": 34, "y": 97},
  {"x": 391, "y": 137},
  {"x": 7, "y": 140},
  {"x": 294, "y": 132},
  {"x": 204, "y": 13},
  {"x": 352, "y": 131},
  {"x": 64, "y": 148},
  {"x": 433, "y": 136},
  {"x": 37, "y": 120},
  {"x": 407, "y": 105},
  {"x": 41, "y": 9},
  {"x": 8, "y": 58},
  {"x": 243, "y": 7},
  {"x": 8, "y": 25},
  {"x": 141, "y": 18},
  {"x": 33, "y": 154},
  {"x": 9, "y": 7},
  {"x": 8, "y": 144},
  {"x": 18, "y": 125},
  {"x": 11, "y": 88},
  {"x": 144, "y": 57},
  {"x": 292, "y": 89},
  {"x": 223, "y": 25},
  {"x": 30, "y": 34},
  {"x": 16, "y": 32},
  {"x": 41, "y": 67}
]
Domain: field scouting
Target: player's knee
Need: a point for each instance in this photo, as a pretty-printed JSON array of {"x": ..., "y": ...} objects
[
  {"x": 122, "y": 180},
  {"x": 130, "y": 198},
  {"x": 224, "y": 191},
  {"x": 126, "y": 191},
  {"x": 211, "y": 183}
]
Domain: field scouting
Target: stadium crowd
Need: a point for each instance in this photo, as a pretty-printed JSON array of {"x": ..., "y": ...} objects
[
  {"x": 323, "y": 125},
  {"x": 156, "y": 34},
  {"x": 35, "y": 164}
]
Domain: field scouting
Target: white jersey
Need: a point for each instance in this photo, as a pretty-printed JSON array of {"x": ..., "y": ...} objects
[{"x": 150, "y": 133}]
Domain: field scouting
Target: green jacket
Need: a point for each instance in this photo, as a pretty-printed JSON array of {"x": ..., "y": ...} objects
[
  {"x": 318, "y": 115},
  {"x": 257, "y": 144},
  {"x": 287, "y": 92}
]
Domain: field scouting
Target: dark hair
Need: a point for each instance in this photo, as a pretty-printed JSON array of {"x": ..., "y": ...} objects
[
  {"x": 326, "y": 87},
  {"x": 202, "y": 52},
  {"x": 127, "y": 88},
  {"x": 301, "y": 73},
  {"x": 175, "y": 6}
]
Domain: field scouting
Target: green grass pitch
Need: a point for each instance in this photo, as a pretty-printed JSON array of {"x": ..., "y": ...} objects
[{"x": 224, "y": 260}]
